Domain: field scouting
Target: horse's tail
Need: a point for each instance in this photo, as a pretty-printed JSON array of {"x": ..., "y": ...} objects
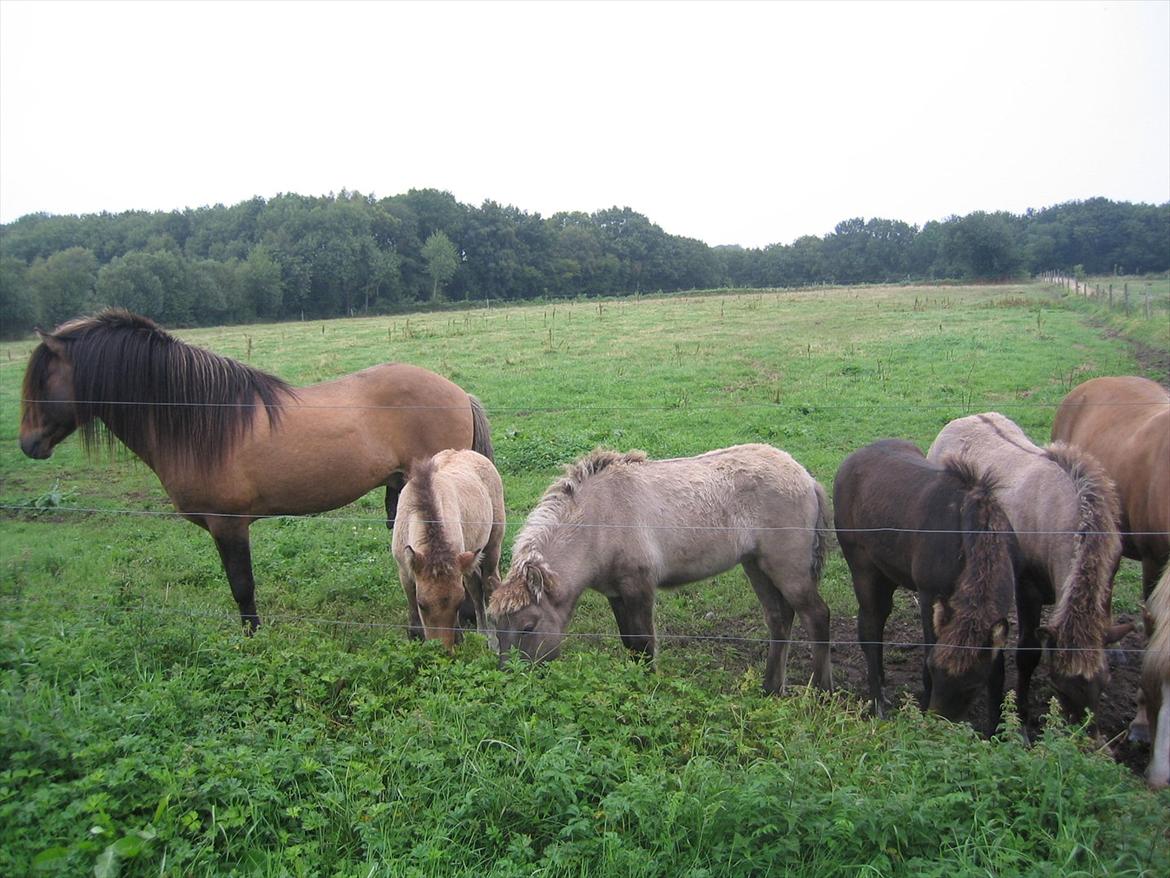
[
  {"x": 481, "y": 434},
  {"x": 1156, "y": 681},
  {"x": 1081, "y": 617},
  {"x": 1156, "y": 665},
  {"x": 822, "y": 534}
]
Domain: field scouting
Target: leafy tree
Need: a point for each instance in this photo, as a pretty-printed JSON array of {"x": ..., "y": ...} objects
[
  {"x": 442, "y": 261},
  {"x": 64, "y": 284},
  {"x": 154, "y": 284},
  {"x": 19, "y": 311}
]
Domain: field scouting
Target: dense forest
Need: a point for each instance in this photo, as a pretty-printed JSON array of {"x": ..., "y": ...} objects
[{"x": 295, "y": 256}]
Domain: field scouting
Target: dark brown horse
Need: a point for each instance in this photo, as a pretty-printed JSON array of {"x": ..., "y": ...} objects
[
  {"x": 936, "y": 530},
  {"x": 230, "y": 443}
]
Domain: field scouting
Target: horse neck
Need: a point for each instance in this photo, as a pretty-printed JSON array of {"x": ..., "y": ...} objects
[
  {"x": 567, "y": 558},
  {"x": 143, "y": 448}
]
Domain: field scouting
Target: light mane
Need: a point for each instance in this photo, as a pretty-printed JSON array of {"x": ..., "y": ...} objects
[
  {"x": 559, "y": 500},
  {"x": 1082, "y": 610},
  {"x": 552, "y": 511}
]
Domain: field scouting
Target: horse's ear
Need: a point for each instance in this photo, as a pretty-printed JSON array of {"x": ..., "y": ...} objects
[
  {"x": 468, "y": 561},
  {"x": 413, "y": 559},
  {"x": 53, "y": 343},
  {"x": 1118, "y": 631},
  {"x": 534, "y": 579}
]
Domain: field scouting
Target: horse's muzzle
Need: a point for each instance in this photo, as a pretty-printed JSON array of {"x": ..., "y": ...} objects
[{"x": 35, "y": 448}]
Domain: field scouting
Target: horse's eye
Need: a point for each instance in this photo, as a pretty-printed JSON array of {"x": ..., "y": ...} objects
[
  {"x": 424, "y": 607},
  {"x": 530, "y": 627}
]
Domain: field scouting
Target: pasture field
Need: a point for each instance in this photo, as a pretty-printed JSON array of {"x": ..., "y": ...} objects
[{"x": 143, "y": 735}]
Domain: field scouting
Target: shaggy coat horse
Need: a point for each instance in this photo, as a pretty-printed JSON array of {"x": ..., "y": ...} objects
[
  {"x": 938, "y": 531},
  {"x": 1156, "y": 683},
  {"x": 447, "y": 541},
  {"x": 1063, "y": 509},
  {"x": 230, "y": 443},
  {"x": 625, "y": 525}
]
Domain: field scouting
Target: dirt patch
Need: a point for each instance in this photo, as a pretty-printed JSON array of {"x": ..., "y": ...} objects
[
  {"x": 903, "y": 666},
  {"x": 1152, "y": 360}
]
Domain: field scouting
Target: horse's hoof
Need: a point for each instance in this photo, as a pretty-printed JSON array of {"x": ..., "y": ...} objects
[{"x": 1139, "y": 733}]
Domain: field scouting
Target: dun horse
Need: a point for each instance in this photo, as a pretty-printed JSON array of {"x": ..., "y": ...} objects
[
  {"x": 1125, "y": 424},
  {"x": 1063, "y": 509},
  {"x": 937, "y": 530},
  {"x": 1156, "y": 683},
  {"x": 230, "y": 443},
  {"x": 625, "y": 525},
  {"x": 447, "y": 541}
]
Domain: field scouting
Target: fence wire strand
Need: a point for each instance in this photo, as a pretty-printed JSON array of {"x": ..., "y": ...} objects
[{"x": 597, "y": 636}]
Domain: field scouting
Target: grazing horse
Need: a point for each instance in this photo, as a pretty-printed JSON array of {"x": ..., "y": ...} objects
[
  {"x": 1156, "y": 682},
  {"x": 447, "y": 541},
  {"x": 1124, "y": 422},
  {"x": 624, "y": 525},
  {"x": 230, "y": 443},
  {"x": 1063, "y": 509},
  {"x": 937, "y": 530}
]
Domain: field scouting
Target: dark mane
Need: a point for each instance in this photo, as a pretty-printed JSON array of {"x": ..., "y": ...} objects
[
  {"x": 135, "y": 382},
  {"x": 438, "y": 558},
  {"x": 1082, "y": 613},
  {"x": 980, "y": 599}
]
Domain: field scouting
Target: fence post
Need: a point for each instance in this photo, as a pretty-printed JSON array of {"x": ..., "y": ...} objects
[
  {"x": 1127, "y": 298},
  {"x": 1111, "y": 297}
]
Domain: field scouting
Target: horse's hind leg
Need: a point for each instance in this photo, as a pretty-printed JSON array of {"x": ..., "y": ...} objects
[
  {"x": 875, "y": 600},
  {"x": 394, "y": 487},
  {"x": 235, "y": 551},
  {"x": 778, "y": 613}
]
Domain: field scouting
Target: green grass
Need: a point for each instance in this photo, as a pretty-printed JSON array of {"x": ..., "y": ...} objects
[{"x": 132, "y": 705}]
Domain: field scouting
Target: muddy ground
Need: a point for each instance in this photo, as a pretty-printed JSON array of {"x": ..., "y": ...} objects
[{"x": 903, "y": 667}]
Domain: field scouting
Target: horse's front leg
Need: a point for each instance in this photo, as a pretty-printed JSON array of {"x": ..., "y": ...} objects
[
  {"x": 929, "y": 638},
  {"x": 995, "y": 694},
  {"x": 635, "y": 621},
  {"x": 235, "y": 552},
  {"x": 1028, "y": 651},
  {"x": 414, "y": 627}
]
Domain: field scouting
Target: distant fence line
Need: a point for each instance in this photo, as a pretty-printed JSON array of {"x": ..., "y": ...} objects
[{"x": 1103, "y": 291}]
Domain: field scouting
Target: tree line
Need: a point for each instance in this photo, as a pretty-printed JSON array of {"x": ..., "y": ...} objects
[{"x": 298, "y": 257}]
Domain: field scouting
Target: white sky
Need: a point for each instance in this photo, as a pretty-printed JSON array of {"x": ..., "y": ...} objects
[{"x": 746, "y": 123}]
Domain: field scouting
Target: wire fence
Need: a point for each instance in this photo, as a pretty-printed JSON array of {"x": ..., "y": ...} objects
[
  {"x": 92, "y": 611},
  {"x": 34, "y": 511}
]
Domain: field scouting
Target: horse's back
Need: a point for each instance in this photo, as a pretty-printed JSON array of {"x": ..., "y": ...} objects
[
  {"x": 885, "y": 496},
  {"x": 1124, "y": 422},
  {"x": 698, "y": 516},
  {"x": 1036, "y": 493}
]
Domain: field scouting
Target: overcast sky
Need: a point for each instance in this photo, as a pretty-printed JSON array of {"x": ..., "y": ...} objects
[{"x": 747, "y": 123}]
